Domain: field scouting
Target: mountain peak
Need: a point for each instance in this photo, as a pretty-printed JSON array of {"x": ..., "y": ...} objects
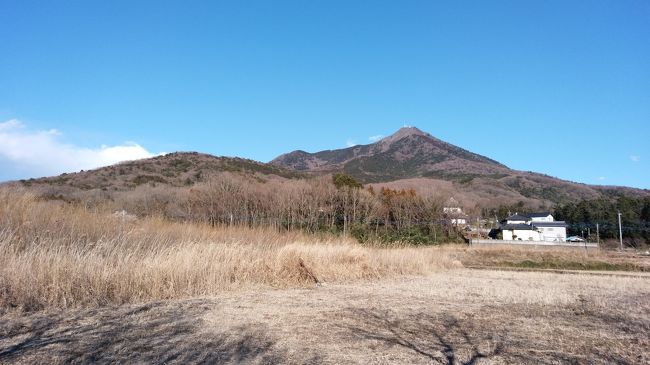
[
  {"x": 405, "y": 132},
  {"x": 407, "y": 153},
  {"x": 408, "y": 130}
]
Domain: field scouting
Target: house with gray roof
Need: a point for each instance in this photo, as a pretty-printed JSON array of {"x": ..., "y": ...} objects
[
  {"x": 552, "y": 231},
  {"x": 516, "y": 219},
  {"x": 454, "y": 212},
  {"x": 533, "y": 227},
  {"x": 541, "y": 217}
]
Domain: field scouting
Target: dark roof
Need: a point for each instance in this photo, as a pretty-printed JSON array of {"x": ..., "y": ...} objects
[
  {"x": 520, "y": 227},
  {"x": 550, "y": 224},
  {"x": 518, "y": 217},
  {"x": 539, "y": 215}
]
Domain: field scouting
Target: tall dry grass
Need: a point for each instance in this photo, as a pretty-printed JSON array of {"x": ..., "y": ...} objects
[{"x": 54, "y": 254}]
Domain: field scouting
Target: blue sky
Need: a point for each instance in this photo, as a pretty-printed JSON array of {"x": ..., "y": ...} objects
[{"x": 558, "y": 87}]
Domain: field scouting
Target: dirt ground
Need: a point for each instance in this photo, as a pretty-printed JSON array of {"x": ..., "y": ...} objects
[{"x": 452, "y": 317}]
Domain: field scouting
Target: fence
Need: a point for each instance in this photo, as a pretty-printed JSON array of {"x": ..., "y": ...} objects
[{"x": 533, "y": 243}]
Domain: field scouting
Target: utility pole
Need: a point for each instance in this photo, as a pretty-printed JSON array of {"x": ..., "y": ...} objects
[
  {"x": 620, "y": 230},
  {"x": 597, "y": 235}
]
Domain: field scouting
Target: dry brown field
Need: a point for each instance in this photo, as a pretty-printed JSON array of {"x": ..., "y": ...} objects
[
  {"x": 456, "y": 316},
  {"x": 81, "y": 285}
]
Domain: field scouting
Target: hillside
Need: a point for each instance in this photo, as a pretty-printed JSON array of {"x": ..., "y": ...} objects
[{"x": 175, "y": 169}]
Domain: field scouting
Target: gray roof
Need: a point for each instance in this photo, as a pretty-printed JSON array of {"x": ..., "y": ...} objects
[
  {"x": 550, "y": 224},
  {"x": 518, "y": 217},
  {"x": 539, "y": 215},
  {"x": 519, "y": 227}
]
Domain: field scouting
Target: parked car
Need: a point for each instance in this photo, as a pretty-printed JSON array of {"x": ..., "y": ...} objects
[{"x": 575, "y": 239}]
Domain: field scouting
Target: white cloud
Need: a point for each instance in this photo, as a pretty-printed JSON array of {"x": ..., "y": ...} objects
[
  {"x": 10, "y": 124},
  {"x": 375, "y": 138},
  {"x": 40, "y": 153},
  {"x": 601, "y": 178},
  {"x": 635, "y": 158},
  {"x": 350, "y": 143}
]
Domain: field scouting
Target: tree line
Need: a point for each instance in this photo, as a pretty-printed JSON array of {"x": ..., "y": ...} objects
[
  {"x": 337, "y": 204},
  {"x": 340, "y": 204},
  {"x": 583, "y": 217}
]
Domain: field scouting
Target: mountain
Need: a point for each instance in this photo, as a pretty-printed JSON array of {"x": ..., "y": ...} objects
[
  {"x": 411, "y": 158},
  {"x": 408, "y": 153}
]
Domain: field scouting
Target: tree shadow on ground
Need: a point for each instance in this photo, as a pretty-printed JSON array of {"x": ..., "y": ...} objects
[
  {"x": 439, "y": 339},
  {"x": 158, "y": 333},
  {"x": 451, "y": 339}
]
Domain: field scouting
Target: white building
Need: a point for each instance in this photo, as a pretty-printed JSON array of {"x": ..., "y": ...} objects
[
  {"x": 454, "y": 212},
  {"x": 533, "y": 227},
  {"x": 518, "y": 219},
  {"x": 520, "y": 232},
  {"x": 541, "y": 217},
  {"x": 552, "y": 231}
]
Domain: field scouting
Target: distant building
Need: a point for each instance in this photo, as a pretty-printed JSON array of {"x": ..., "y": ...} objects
[
  {"x": 517, "y": 219},
  {"x": 552, "y": 231},
  {"x": 454, "y": 213},
  {"x": 541, "y": 217},
  {"x": 520, "y": 232},
  {"x": 533, "y": 227}
]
